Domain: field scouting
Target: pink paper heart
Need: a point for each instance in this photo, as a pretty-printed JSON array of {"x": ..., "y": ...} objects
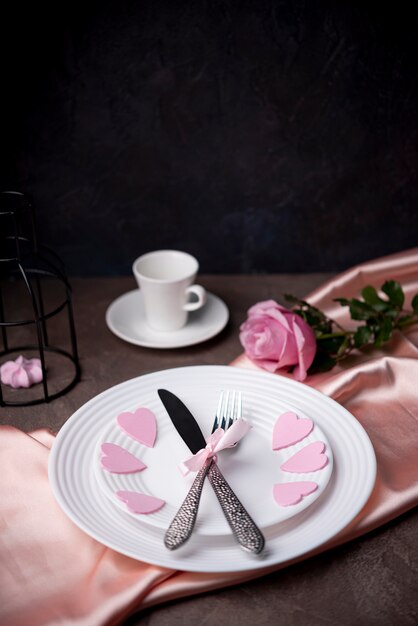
[
  {"x": 140, "y": 425},
  {"x": 310, "y": 459},
  {"x": 286, "y": 494},
  {"x": 140, "y": 502},
  {"x": 118, "y": 460},
  {"x": 290, "y": 429}
]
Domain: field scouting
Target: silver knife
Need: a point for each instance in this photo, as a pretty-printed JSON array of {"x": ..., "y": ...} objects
[{"x": 243, "y": 527}]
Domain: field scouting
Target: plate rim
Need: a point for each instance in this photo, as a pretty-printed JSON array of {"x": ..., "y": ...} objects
[
  {"x": 150, "y": 344},
  {"x": 253, "y": 566}
]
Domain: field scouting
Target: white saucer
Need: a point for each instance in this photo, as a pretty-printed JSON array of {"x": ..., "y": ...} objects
[{"x": 125, "y": 317}]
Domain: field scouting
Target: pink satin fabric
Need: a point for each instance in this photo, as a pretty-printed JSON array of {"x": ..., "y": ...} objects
[{"x": 52, "y": 573}]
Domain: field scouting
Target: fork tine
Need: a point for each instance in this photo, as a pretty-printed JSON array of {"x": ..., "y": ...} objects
[
  {"x": 218, "y": 413},
  {"x": 225, "y": 410},
  {"x": 231, "y": 411}
]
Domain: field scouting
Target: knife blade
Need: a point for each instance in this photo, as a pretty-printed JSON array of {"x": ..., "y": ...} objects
[
  {"x": 183, "y": 421},
  {"x": 242, "y": 525}
]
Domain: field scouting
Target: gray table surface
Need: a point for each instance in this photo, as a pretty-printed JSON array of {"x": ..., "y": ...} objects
[{"x": 370, "y": 581}]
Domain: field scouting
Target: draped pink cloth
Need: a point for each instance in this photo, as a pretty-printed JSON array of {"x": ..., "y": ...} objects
[{"x": 53, "y": 573}]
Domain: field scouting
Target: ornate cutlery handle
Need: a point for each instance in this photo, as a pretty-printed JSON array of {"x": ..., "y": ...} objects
[
  {"x": 183, "y": 522},
  {"x": 244, "y": 528},
  {"x": 247, "y": 533}
]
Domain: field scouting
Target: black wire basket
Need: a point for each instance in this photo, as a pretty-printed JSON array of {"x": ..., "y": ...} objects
[{"x": 34, "y": 292}]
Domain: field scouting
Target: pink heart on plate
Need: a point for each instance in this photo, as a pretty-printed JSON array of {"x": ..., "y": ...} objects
[
  {"x": 140, "y": 425},
  {"x": 310, "y": 459},
  {"x": 118, "y": 460},
  {"x": 286, "y": 494},
  {"x": 290, "y": 429},
  {"x": 140, "y": 502}
]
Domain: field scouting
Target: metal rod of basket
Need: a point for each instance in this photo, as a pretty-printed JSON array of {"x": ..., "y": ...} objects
[{"x": 31, "y": 265}]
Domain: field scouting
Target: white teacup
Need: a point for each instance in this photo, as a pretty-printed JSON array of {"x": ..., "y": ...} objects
[{"x": 165, "y": 279}]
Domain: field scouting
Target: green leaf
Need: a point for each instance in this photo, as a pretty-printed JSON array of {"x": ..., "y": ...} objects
[
  {"x": 361, "y": 310},
  {"x": 371, "y": 297},
  {"x": 358, "y": 310},
  {"x": 362, "y": 336},
  {"x": 394, "y": 292},
  {"x": 331, "y": 345},
  {"x": 343, "y": 301},
  {"x": 405, "y": 320},
  {"x": 384, "y": 333},
  {"x": 289, "y": 298},
  {"x": 314, "y": 311},
  {"x": 316, "y": 322},
  {"x": 322, "y": 363},
  {"x": 415, "y": 303},
  {"x": 300, "y": 312},
  {"x": 387, "y": 328},
  {"x": 312, "y": 316}
]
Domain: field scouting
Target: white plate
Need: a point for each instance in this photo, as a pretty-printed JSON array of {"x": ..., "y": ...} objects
[
  {"x": 75, "y": 486},
  {"x": 252, "y": 468},
  {"x": 125, "y": 317}
]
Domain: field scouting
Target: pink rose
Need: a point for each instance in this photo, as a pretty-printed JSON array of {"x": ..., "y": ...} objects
[{"x": 274, "y": 337}]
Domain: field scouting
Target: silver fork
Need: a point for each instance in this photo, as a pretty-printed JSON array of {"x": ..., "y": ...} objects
[
  {"x": 242, "y": 525},
  {"x": 228, "y": 412}
]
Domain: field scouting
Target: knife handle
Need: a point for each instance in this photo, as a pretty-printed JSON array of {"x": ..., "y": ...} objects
[
  {"x": 184, "y": 520},
  {"x": 246, "y": 532}
]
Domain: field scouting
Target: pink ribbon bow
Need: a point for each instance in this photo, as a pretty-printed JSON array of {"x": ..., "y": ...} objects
[{"x": 217, "y": 441}]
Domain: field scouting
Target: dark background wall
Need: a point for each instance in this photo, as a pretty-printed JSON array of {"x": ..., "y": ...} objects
[{"x": 260, "y": 136}]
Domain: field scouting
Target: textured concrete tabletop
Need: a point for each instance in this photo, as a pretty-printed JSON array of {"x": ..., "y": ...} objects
[{"x": 371, "y": 581}]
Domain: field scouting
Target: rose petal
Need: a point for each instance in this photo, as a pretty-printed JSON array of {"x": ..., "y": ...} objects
[
  {"x": 261, "y": 307},
  {"x": 260, "y": 338},
  {"x": 306, "y": 345},
  {"x": 272, "y": 309},
  {"x": 270, "y": 366}
]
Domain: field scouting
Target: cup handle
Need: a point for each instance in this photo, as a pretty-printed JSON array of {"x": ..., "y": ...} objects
[{"x": 200, "y": 293}]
